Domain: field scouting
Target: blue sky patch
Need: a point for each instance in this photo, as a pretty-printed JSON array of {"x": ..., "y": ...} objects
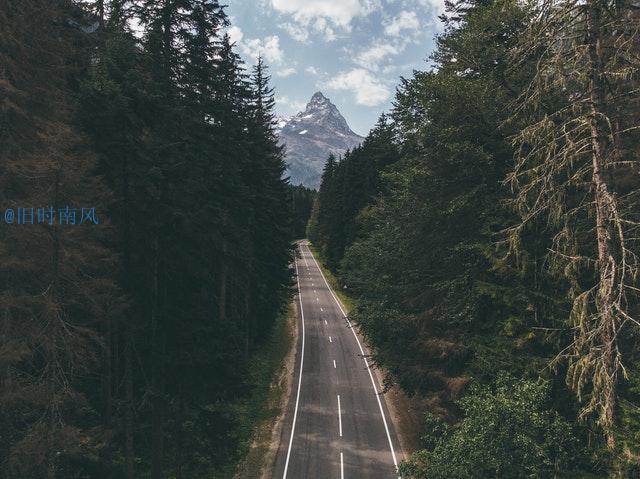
[{"x": 354, "y": 51}]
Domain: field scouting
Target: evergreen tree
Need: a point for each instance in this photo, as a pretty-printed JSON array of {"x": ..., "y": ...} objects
[
  {"x": 190, "y": 273},
  {"x": 302, "y": 200},
  {"x": 58, "y": 293},
  {"x": 574, "y": 167}
]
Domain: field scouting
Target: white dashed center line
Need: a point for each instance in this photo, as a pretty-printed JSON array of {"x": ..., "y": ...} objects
[{"x": 339, "y": 416}]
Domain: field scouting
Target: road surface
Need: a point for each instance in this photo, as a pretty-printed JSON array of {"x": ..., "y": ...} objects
[{"x": 336, "y": 424}]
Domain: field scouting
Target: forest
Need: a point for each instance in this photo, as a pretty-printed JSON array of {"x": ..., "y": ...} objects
[
  {"x": 127, "y": 343},
  {"x": 488, "y": 232}
]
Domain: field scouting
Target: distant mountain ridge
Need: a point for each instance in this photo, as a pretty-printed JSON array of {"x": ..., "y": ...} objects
[{"x": 311, "y": 135}]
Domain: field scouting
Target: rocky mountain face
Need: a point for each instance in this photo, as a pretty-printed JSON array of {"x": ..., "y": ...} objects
[{"x": 309, "y": 138}]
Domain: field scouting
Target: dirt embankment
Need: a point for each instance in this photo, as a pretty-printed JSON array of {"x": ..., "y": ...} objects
[{"x": 406, "y": 414}]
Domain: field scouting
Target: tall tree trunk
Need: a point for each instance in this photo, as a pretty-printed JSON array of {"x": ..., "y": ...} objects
[
  {"x": 128, "y": 328},
  {"x": 157, "y": 370},
  {"x": 167, "y": 41},
  {"x": 51, "y": 361},
  {"x": 248, "y": 320},
  {"x": 5, "y": 369},
  {"x": 222, "y": 281},
  {"x": 101, "y": 13},
  {"x": 107, "y": 376},
  {"x": 128, "y": 413},
  {"x": 51, "y": 449},
  {"x": 157, "y": 439},
  {"x": 608, "y": 250},
  {"x": 222, "y": 287},
  {"x": 157, "y": 379}
]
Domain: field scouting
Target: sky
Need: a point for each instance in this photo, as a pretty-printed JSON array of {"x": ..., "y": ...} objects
[{"x": 354, "y": 51}]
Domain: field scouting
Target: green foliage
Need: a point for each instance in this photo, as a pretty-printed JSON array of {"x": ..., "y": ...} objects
[
  {"x": 424, "y": 263},
  {"x": 348, "y": 185},
  {"x": 436, "y": 431},
  {"x": 302, "y": 200},
  {"x": 628, "y": 463},
  {"x": 572, "y": 166},
  {"x": 146, "y": 329},
  {"x": 508, "y": 431},
  {"x": 441, "y": 298}
]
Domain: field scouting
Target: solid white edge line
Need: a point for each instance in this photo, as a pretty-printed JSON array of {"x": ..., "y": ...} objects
[
  {"x": 375, "y": 388},
  {"x": 295, "y": 412},
  {"x": 339, "y": 416}
]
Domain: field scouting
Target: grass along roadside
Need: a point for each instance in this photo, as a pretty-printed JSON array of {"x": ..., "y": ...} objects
[
  {"x": 263, "y": 412},
  {"x": 347, "y": 302}
]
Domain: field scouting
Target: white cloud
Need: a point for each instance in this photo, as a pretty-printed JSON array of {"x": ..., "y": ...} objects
[
  {"x": 297, "y": 32},
  {"x": 367, "y": 89},
  {"x": 405, "y": 20},
  {"x": 235, "y": 34},
  {"x": 268, "y": 48},
  {"x": 389, "y": 69},
  {"x": 292, "y": 104},
  {"x": 285, "y": 72},
  {"x": 324, "y": 16},
  {"x": 436, "y": 6},
  {"x": 322, "y": 26},
  {"x": 312, "y": 70},
  {"x": 374, "y": 56}
]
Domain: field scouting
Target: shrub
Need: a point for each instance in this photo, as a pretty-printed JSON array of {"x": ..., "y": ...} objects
[{"x": 508, "y": 431}]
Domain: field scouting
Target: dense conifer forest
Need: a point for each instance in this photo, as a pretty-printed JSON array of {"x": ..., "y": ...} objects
[
  {"x": 488, "y": 230},
  {"x": 126, "y": 343}
]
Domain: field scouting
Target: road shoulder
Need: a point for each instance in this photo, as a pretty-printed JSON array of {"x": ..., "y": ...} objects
[{"x": 259, "y": 462}]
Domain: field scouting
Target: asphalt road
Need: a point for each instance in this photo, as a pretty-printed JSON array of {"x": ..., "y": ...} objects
[{"x": 336, "y": 423}]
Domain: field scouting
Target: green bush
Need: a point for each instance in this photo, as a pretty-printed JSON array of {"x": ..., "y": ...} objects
[{"x": 508, "y": 431}]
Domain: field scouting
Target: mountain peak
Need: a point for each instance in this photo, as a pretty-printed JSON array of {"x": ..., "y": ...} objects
[
  {"x": 311, "y": 135},
  {"x": 323, "y": 113},
  {"x": 321, "y": 103},
  {"x": 318, "y": 97}
]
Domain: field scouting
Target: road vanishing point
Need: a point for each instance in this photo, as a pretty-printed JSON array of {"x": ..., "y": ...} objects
[{"x": 336, "y": 422}]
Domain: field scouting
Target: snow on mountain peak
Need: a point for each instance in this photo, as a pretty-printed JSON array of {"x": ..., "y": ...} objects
[
  {"x": 311, "y": 135},
  {"x": 321, "y": 113}
]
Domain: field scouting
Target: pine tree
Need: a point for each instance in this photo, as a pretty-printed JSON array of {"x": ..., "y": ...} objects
[
  {"x": 573, "y": 166},
  {"x": 302, "y": 200},
  {"x": 324, "y": 212},
  {"x": 272, "y": 222},
  {"x": 58, "y": 294},
  {"x": 181, "y": 154}
]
